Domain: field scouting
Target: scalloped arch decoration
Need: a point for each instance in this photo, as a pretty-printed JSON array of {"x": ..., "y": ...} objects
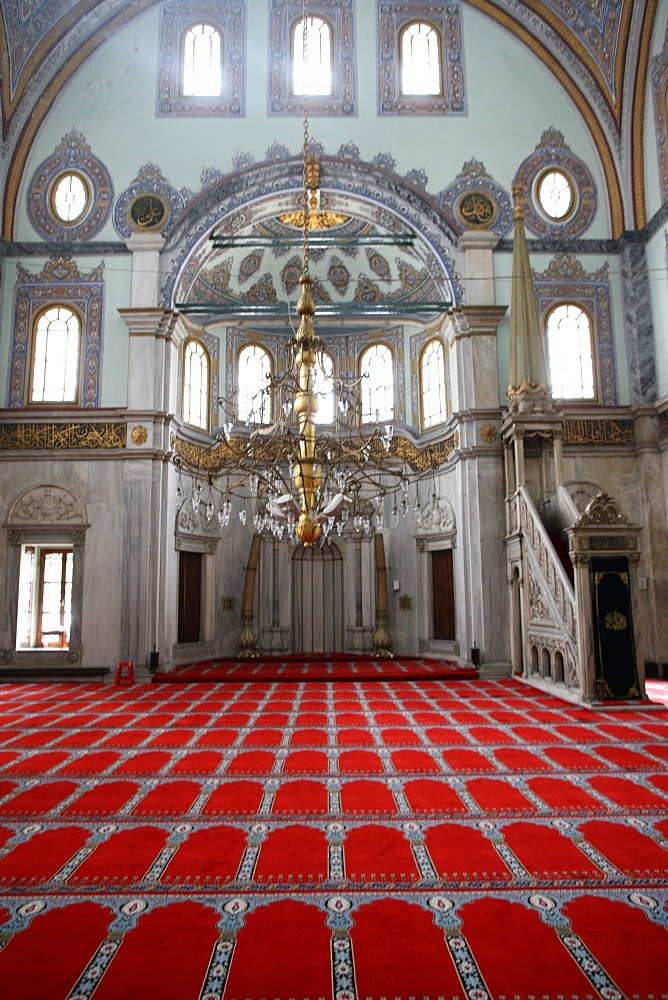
[
  {"x": 47, "y": 506},
  {"x": 389, "y": 201}
]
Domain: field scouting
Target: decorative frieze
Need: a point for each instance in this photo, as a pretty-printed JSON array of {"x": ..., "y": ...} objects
[
  {"x": 586, "y": 431},
  {"x": 62, "y": 437}
]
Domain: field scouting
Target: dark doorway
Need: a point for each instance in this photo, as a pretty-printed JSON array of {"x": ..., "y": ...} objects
[
  {"x": 190, "y": 596},
  {"x": 443, "y": 594}
]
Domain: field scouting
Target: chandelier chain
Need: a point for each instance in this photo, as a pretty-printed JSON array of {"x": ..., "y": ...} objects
[{"x": 305, "y": 191}]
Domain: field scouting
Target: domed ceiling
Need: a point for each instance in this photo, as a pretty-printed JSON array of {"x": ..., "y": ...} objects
[{"x": 597, "y": 49}]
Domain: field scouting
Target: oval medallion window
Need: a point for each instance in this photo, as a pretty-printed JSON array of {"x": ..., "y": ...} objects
[
  {"x": 70, "y": 198},
  {"x": 556, "y": 195}
]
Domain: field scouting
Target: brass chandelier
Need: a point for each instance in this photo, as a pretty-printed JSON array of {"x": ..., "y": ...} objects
[{"x": 293, "y": 476}]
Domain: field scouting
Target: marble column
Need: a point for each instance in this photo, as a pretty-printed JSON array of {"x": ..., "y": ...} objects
[
  {"x": 79, "y": 547},
  {"x": 11, "y": 596},
  {"x": 639, "y": 332}
]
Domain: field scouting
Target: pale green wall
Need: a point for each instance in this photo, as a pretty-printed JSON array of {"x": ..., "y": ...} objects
[
  {"x": 591, "y": 263},
  {"x": 512, "y": 99},
  {"x": 111, "y": 100},
  {"x": 114, "y": 359}
]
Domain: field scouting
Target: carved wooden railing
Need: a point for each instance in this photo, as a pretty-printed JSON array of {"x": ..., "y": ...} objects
[{"x": 550, "y": 624}]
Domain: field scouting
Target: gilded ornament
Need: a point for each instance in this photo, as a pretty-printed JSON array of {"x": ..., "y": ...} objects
[
  {"x": 615, "y": 621},
  {"x": 61, "y": 437},
  {"x": 139, "y": 434},
  {"x": 488, "y": 433},
  {"x": 476, "y": 210},
  {"x": 147, "y": 211},
  {"x": 406, "y": 602},
  {"x": 602, "y": 509},
  {"x": 598, "y": 432}
]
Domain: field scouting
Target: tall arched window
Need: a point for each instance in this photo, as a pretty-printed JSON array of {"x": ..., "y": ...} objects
[
  {"x": 55, "y": 356},
  {"x": 202, "y": 65},
  {"x": 377, "y": 386},
  {"x": 313, "y": 77},
  {"x": 570, "y": 355},
  {"x": 323, "y": 385},
  {"x": 432, "y": 384},
  {"x": 253, "y": 400},
  {"x": 196, "y": 369},
  {"x": 420, "y": 60}
]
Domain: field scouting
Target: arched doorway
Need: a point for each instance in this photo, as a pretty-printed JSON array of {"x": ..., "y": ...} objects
[{"x": 317, "y": 605}]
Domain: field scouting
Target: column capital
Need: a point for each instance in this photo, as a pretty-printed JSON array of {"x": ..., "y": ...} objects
[
  {"x": 145, "y": 242},
  {"x": 478, "y": 239}
]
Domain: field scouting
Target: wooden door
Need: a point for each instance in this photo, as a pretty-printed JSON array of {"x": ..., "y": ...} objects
[
  {"x": 317, "y": 600},
  {"x": 443, "y": 594},
  {"x": 190, "y": 596}
]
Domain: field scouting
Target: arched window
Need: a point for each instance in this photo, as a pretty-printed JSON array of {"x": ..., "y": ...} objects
[
  {"x": 420, "y": 60},
  {"x": 377, "y": 387},
  {"x": 253, "y": 399},
  {"x": 196, "y": 368},
  {"x": 323, "y": 385},
  {"x": 570, "y": 356},
  {"x": 202, "y": 66},
  {"x": 313, "y": 76},
  {"x": 432, "y": 384},
  {"x": 55, "y": 356}
]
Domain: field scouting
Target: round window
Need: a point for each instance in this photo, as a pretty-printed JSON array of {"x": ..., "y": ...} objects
[
  {"x": 70, "y": 198},
  {"x": 556, "y": 195}
]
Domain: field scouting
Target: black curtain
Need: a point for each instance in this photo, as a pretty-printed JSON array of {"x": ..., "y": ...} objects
[{"x": 615, "y": 652}]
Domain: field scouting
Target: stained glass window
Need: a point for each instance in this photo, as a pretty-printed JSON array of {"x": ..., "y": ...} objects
[
  {"x": 55, "y": 361},
  {"x": 323, "y": 385},
  {"x": 196, "y": 384},
  {"x": 569, "y": 343},
  {"x": 432, "y": 384},
  {"x": 70, "y": 198},
  {"x": 313, "y": 76},
  {"x": 420, "y": 60},
  {"x": 377, "y": 385},
  {"x": 202, "y": 68},
  {"x": 253, "y": 400}
]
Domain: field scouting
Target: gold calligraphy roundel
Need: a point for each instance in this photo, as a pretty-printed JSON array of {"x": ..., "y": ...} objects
[
  {"x": 476, "y": 210},
  {"x": 148, "y": 211}
]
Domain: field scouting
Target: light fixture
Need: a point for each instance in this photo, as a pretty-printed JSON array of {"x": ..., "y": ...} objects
[{"x": 296, "y": 478}]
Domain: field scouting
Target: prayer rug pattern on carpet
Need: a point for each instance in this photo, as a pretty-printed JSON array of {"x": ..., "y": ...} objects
[
  {"x": 330, "y": 667},
  {"x": 343, "y": 840}
]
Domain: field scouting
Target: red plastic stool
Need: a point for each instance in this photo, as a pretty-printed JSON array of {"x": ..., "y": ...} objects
[{"x": 124, "y": 674}]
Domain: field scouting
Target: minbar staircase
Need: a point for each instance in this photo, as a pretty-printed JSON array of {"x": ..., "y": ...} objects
[{"x": 544, "y": 602}]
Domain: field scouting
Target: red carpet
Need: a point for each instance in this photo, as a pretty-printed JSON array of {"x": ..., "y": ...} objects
[
  {"x": 327, "y": 668},
  {"x": 345, "y": 840}
]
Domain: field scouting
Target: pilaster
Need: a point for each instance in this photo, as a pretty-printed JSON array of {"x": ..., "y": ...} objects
[
  {"x": 145, "y": 286},
  {"x": 155, "y": 336},
  {"x": 470, "y": 332},
  {"x": 478, "y": 282}
]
